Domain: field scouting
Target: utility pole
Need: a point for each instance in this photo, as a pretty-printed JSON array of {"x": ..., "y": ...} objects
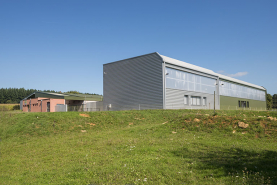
[{"x": 214, "y": 102}]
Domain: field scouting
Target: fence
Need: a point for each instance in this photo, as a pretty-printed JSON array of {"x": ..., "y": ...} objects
[
  {"x": 226, "y": 107},
  {"x": 61, "y": 108},
  {"x": 116, "y": 107},
  {"x": 91, "y": 106},
  {"x": 98, "y": 106}
]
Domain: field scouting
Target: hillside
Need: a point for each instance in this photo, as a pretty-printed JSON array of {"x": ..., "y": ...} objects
[{"x": 138, "y": 147}]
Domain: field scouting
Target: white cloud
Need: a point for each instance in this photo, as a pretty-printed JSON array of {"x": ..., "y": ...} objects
[
  {"x": 238, "y": 74},
  {"x": 221, "y": 72}
]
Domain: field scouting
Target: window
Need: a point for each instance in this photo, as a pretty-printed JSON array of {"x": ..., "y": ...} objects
[
  {"x": 186, "y": 97},
  {"x": 247, "y": 104},
  {"x": 195, "y": 100},
  {"x": 204, "y": 101},
  {"x": 243, "y": 104}
]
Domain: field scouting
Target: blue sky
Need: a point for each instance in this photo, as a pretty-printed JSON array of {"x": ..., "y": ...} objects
[{"x": 62, "y": 45}]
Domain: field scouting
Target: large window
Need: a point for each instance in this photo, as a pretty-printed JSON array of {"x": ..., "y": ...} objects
[
  {"x": 244, "y": 104},
  {"x": 176, "y": 79},
  {"x": 240, "y": 91},
  {"x": 195, "y": 100}
]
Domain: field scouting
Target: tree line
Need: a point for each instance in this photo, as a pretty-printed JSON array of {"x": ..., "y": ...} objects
[
  {"x": 271, "y": 101},
  {"x": 14, "y": 95}
]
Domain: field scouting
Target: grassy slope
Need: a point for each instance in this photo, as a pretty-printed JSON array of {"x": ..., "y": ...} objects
[{"x": 135, "y": 147}]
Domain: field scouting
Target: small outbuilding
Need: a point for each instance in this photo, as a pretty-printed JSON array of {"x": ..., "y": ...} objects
[{"x": 60, "y": 102}]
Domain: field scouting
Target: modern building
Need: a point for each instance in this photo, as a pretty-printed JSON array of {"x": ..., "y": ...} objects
[
  {"x": 154, "y": 81},
  {"x": 60, "y": 102}
]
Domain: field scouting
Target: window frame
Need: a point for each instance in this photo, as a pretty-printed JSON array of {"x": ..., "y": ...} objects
[
  {"x": 196, "y": 98},
  {"x": 186, "y": 100}
]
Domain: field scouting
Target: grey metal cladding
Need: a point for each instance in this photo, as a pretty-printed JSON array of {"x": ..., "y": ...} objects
[
  {"x": 135, "y": 83},
  {"x": 175, "y": 99}
]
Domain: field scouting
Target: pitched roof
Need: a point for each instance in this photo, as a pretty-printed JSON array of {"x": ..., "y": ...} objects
[{"x": 64, "y": 96}]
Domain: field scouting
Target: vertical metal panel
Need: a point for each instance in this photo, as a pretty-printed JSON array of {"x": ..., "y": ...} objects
[
  {"x": 135, "y": 83},
  {"x": 60, "y": 108},
  {"x": 21, "y": 105}
]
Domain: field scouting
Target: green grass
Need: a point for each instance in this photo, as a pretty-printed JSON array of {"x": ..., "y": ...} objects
[{"x": 138, "y": 147}]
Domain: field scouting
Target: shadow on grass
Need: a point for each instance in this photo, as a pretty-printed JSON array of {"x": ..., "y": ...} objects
[{"x": 238, "y": 165}]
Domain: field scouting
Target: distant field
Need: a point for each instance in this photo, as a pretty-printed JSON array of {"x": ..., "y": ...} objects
[
  {"x": 9, "y": 107},
  {"x": 139, "y": 147}
]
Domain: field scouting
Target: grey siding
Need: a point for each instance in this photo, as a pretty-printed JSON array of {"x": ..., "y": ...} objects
[
  {"x": 61, "y": 108},
  {"x": 175, "y": 100},
  {"x": 21, "y": 105},
  {"x": 135, "y": 83},
  {"x": 94, "y": 106}
]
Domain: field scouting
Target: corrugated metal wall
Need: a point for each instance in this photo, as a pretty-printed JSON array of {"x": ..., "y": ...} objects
[
  {"x": 135, "y": 83},
  {"x": 175, "y": 99}
]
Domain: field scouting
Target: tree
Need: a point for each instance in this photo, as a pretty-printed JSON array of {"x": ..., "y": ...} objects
[
  {"x": 274, "y": 101},
  {"x": 73, "y": 92},
  {"x": 268, "y": 101}
]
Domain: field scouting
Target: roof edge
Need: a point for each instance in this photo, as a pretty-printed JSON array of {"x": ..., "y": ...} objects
[{"x": 132, "y": 58}]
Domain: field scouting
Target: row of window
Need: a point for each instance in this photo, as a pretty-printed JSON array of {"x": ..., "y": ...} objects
[
  {"x": 195, "y": 100},
  {"x": 176, "y": 79},
  {"x": 240, "y": 91}
]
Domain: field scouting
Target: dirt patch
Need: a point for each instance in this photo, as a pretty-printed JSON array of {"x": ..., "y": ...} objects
[
  {"x": 84, "y": 115},
  {"x": 196, "y": 120},
  {"x": 130, "y": 123},
  {"x": 272, "y": 119},
  {"x": 83, "y": 131},
  {"x": 242, "y": 125}
]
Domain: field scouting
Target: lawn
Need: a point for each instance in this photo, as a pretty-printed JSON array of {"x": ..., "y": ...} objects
[{"x": 138, "y": 147}]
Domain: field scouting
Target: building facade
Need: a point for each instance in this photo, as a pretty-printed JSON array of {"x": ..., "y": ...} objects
[
  {"x": 154, "y": 81},
  {"x": 60, "y": 102}
]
